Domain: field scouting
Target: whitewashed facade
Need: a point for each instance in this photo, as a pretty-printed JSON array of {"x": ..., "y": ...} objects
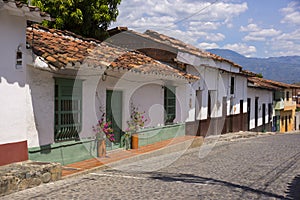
[
  {"x": 225, "y": 87},
  {"x": 147, "y": 96},
  {"x": 13, "y": 85},
  {"x": 260, "y": 113}
]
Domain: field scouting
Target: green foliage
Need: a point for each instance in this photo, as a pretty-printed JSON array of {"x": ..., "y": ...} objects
[
  {"x": 137, "y": 119},
  {"x": 260, "y": 75},
  {"x": 87, "y": 18}
]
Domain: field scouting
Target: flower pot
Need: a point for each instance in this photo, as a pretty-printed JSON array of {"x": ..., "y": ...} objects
[
  {"x": 101, "y": 148},
  {"x": 135, "y": 141},
  {"x": 127, "y": 143}
]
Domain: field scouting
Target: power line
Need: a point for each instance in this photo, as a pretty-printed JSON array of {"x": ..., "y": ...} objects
[
  {"x": 181, "y": 20},
  {"x": 194, "y": 14}
]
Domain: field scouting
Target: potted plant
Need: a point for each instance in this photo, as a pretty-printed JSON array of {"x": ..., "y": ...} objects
[
  {"x": 103, "y": 131},
  {"x": 137, "y": 121}
]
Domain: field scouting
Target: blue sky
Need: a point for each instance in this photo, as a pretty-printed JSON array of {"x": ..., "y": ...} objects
[{"x": 254, "y": 28}]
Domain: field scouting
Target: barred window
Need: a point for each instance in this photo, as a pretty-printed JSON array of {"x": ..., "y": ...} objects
[
  {"x": 68, "y": 109},
  {"x": 169, "y": 104},
  {"x": 232, "y": 85}
]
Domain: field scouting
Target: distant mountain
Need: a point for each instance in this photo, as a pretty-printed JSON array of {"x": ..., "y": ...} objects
[{"x": 284, "y": 69}]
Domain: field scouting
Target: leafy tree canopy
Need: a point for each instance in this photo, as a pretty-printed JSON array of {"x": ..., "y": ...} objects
[{"x": 89, "y": 18}]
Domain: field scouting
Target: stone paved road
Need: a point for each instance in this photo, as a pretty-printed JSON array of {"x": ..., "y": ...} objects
[{"x": 257, "y": 168}]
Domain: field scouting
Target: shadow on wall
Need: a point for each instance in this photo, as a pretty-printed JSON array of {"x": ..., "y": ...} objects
[
  {"x": 14, "y": 76},
  {"x": 294, "y": 189},
  {"x": 41, "y": 85}
]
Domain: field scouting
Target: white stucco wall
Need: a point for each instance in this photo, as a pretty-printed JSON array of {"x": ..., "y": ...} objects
[
  {"x": 297, "y": 124},
  {"x": 218, "y": 83},
  {"x": 216, "y": 80},
  {"x": 12, "y": 80},
  {"x": 265, "y": 97},
  {"x": 40, "y": 107},
  {"x": 185, "y": 103},
  {"x": 197, "y": 61},
  {"x": 145, "y": 92},
  {"x": 149, "y": 98},
  {"x": 240, "y": 93},
  {"x": 142, "y": 92},
  {"x": 90, "y": 108}
]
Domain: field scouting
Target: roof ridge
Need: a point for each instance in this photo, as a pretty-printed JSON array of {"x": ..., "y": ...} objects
[
  {"x": 192, "y": 47},
  {"x": 274, "y": 83},
  {"x": 61, "y": 49},
  {"x": 66, "y": 33}
]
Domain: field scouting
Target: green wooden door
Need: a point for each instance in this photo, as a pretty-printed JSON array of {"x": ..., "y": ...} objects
[{"x": 114, "y": 114}]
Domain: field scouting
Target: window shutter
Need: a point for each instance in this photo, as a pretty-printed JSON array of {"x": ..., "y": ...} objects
[{"x": 68, "y": 109}]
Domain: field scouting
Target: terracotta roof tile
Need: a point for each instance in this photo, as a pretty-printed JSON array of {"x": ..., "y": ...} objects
[
  {"x": 270, "y": 84},
  {"x": 139, "y": 62},
  {"x": 116, "y": 30},
  {"x": 249, "y": 73},
  {"x": 60, "y": 48},
  {"x": 186, "y": 47}
]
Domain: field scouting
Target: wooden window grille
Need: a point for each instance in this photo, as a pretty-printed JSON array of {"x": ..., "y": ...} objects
[{"x": 68, "y": 109}]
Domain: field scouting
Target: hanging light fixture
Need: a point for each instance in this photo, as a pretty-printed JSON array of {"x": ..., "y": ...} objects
[{"x": 19, "y": 56}]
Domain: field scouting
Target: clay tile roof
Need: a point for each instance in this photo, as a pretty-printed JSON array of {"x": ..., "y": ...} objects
[
  {"x": 58, "y": 47},
  {"x": 249, "y": 73},
  {"x": 186, "y": 47},
  {"x": 12, "y": 4},
  {"x": 117, "y": 30},
  {"x": 63, "y": 49},
  {"x": 137, "y": 61},
  {"x": 270, "y": 84}
]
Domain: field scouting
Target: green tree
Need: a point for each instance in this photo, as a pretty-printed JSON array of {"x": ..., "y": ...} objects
[
  {"x": 260, "y": 75},
  {"x": 89, "y": 18}
]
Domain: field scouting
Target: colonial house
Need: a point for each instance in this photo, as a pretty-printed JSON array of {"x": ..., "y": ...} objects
[
  {"x": 218, "y": 100},
  {"x": 13, "y": 88},
  {"x": 296, "y": 97},
  {"x": 285, "y": 107},
  {"x": 260, "y": 104},
  {"x": 56, "y": 85},
  {"x": 226, "y": 98},
  {"x": 73, "y": 81},
  {"x": 283, "y": 103}
]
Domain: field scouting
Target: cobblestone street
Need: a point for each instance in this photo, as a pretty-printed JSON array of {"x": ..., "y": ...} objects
[{"x": 256, "y": 168}]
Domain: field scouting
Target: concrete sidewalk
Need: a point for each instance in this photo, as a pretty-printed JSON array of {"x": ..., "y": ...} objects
[{"x": 120, "y": 156}]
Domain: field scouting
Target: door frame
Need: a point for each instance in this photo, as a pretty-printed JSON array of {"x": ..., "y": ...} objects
[
  {"x": 249, "y": 112},
  {"x": 264, "y": 116},
  {"x": 118, "y": 144},
  {"x": 241, "y": 115}
]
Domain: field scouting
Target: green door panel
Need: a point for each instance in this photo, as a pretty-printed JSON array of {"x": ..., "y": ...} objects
[{"x": 114, "y": 114}]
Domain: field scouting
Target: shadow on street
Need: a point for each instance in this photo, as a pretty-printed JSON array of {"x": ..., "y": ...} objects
[
  {"x": 294, "y": 189},
  {"x": 190, "y": 178}
]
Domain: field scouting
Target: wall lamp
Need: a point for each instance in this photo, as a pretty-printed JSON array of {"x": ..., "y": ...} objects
[
  {"x": 19, "y": 57},
  {"x": 104, "y": 76}
]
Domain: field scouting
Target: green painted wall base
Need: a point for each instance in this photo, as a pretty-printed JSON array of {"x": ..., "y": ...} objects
[
  {"x": 75, "y": 151},
  {"x": 64, "y": 152},
  {"x": 150, "y": 136}
]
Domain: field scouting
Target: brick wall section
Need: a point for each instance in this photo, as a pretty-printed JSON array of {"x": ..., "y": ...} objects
[
  {"x": 13, "y": 152},
  {"x": 162, "y": 55}
]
